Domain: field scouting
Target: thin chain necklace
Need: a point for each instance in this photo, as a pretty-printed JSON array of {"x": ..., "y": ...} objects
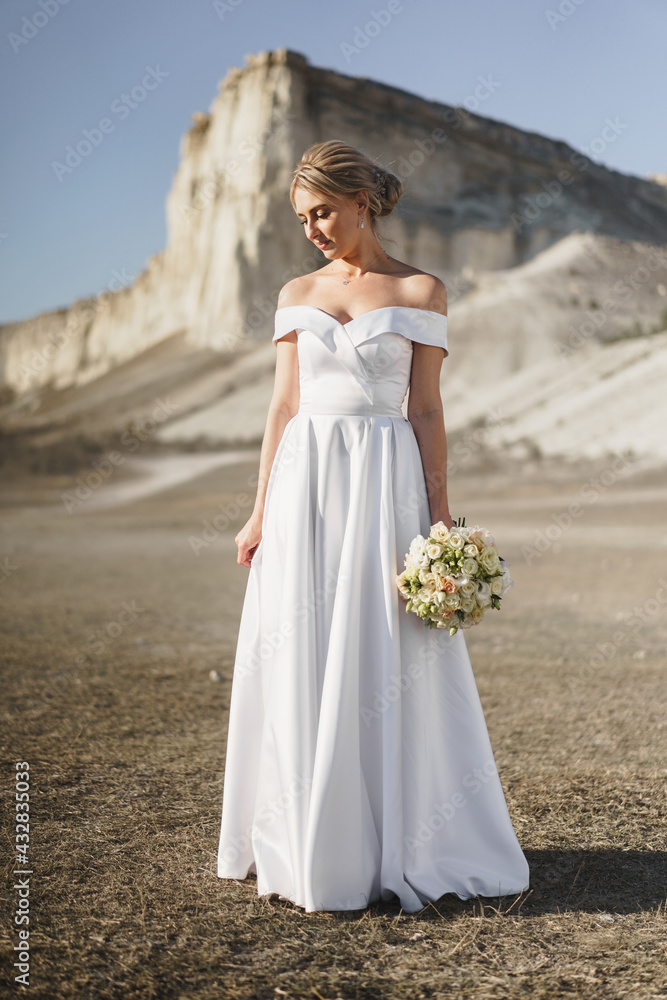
[{"x": 347, "y": 280}]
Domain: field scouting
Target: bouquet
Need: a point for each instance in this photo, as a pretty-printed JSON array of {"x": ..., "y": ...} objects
[{"x": 454, "y": 576}]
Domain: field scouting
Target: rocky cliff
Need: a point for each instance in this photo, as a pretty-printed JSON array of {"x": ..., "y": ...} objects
[{"x": 480, "y": 196}]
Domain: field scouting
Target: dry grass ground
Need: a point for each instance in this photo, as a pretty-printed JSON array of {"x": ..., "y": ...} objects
[{"x": 126, "y": 754}]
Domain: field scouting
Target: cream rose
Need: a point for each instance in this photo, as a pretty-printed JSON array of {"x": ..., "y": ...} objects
[
  {"x": 456, "y": 539},
  {"x": 489, "y": 559},
  {"x": 433, "y": 551},
  {"x": 439, "y": 532},
  {"x": 426, "y": 578},
  {"x": 469, "y": 566}
]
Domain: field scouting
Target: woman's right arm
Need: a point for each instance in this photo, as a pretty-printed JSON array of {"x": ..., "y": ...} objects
[{"x": 284, "y": 404}]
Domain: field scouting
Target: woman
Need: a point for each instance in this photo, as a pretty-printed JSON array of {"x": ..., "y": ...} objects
[{"x": 358, "y": 765}]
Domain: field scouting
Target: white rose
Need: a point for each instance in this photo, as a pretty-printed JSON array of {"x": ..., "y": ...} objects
[
  {"x": 506, "y": 578},
  {"x": 470, "y": 550},
  {"x": 497, "y": 586},
  {"x": 467, "y": 604},
  {"x": 483, "y": 593},
  {"x": 456, "y": 539},
  {"x": 451, "y": 601},
  {"x": 417, "y": 545},
  {"x": 468, "y": 588},
  {"x": 469, "y": 566},
  {"x": 477, "y": 614}
]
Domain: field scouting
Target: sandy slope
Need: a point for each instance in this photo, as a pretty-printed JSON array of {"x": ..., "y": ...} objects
[{"x": 564, "y": 356}]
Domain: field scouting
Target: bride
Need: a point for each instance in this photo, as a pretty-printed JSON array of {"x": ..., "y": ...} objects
[{"x": 358, "y": 766}]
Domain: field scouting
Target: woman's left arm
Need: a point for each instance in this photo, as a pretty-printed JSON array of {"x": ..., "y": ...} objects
[{"x": 425, "y": 412}]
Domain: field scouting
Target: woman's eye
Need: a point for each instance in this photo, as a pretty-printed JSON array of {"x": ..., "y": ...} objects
[{"x": 317, "y": 217}]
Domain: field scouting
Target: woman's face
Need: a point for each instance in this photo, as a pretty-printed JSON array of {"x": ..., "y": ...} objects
[{"x": 331, "y": 223}]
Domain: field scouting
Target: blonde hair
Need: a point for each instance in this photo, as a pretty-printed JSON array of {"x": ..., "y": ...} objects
[{"x": 335, "y": 168}]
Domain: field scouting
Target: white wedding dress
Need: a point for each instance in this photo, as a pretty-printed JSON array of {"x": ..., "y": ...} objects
[{"x": 358, "y": 761}]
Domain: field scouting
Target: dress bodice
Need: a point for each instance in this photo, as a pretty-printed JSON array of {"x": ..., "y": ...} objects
[{"x": 360, "y": 367}]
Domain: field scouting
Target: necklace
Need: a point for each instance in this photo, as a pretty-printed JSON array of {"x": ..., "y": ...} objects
[{"x": 347, "y": 280}]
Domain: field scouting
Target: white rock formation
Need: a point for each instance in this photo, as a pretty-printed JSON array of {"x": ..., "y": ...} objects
[{"x": 479, "y": 194}]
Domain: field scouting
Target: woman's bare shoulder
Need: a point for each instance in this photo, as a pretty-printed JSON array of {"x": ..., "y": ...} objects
[
  {"x": 296, "y": 291},
  {"x": 426, "y": 291}
]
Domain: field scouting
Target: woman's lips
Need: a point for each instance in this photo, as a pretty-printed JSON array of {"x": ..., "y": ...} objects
[{"x": 322, "y": 245}]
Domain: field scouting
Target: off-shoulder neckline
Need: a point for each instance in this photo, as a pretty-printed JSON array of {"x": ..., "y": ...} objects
[{"x": 306, "y": 305}]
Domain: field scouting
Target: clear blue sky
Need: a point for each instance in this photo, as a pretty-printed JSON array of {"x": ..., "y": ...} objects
[{"x": 561, "y": 75}]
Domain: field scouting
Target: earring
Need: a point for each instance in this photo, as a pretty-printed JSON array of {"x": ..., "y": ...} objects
[{"x": 362, "y": 222}]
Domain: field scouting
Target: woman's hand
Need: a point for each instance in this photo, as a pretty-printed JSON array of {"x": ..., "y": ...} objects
[
  {"x": 248, "y": 539},
  {"x": 446, "y": 519}
]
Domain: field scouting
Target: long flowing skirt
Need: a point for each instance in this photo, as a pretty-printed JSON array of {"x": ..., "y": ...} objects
[{"x": 358, "y": 759}]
